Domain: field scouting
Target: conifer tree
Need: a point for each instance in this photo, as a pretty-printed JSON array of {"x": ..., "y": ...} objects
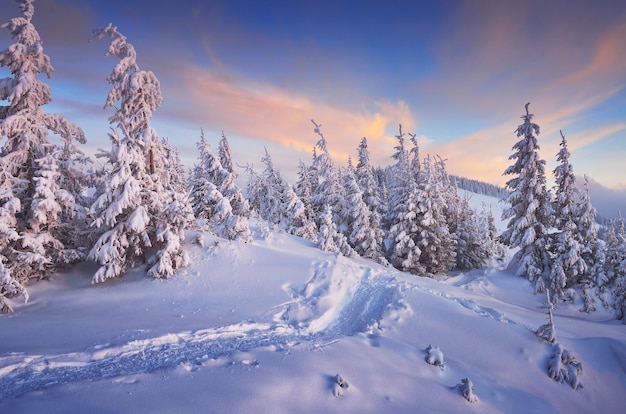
[
  {"x": 568, "y": 267},
  {"x": 136, "y": 208},
  {"x": 529, "y": 212},
  {"x": 357, "y": 217},
  {"x": 209, "y": 203},
  {"x": 225, "y": 154},
  {"x": 403, "y": 221},
  {"x": 40, "y": 183},
  {"x": 223, "y": 176},
  {"x": 592, "y": 249},
  {"x": 615, "y": 266},
  {"x": 329, "y": 239},
  {"x": 435, "y": 242},
  {"x": 328, "y": 190},
  {"x": 304, "y": 189},
  {"x": 368, "y": 184}
]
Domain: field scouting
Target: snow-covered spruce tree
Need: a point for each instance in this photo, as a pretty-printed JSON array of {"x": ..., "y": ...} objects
[
  {"x": 368, "y": 184},
  {"x": 329, "y": 239},
  {"x": 208, "y": 202},
  {"x": 176, "y": 172},
  {"x": 437, "y": 246},
  {"x": 529, "y": 213},
  {"x": 402, "y": 218},
  {"x": 473, "y": 246},
  {"x": 489, "y": 233},
  {"x": 224, "y": 179},
  {"x": 592, "y": 249},
  {"x": 136, "y": 208},
  {"x": 568, "y": 266},
  {"x": 616, "y": 267},
  {"x": 281, "y": 205},
  {"x": 255, "y": 190},
  {"x": 304, "y": 189},
  {"x": 225, "y": 154},
  {"x": 41, "y": 184},
  {"x": 357, "y": 217},
  {"x": 328, "y": 190}
]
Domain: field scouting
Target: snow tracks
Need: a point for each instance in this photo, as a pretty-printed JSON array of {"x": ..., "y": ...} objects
[{"x": 340, "y": 299}]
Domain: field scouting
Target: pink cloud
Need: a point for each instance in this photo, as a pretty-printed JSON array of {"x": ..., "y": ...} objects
[{"x": 264, "y": 112}]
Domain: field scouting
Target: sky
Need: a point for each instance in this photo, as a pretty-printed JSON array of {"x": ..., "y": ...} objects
[{"x": 455, "y": 73}]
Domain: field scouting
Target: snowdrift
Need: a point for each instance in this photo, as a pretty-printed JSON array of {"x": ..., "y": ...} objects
[{"x": 276, "y": 325}]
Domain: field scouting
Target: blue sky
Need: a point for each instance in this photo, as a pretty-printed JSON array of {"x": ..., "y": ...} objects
[{"x": 456, "y": 73}]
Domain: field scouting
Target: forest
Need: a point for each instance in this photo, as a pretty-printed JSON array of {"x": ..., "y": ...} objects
[{"x": 57, "y": 209}]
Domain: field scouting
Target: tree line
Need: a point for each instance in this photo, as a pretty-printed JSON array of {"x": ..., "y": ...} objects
[{"x": 556, "y": 232}]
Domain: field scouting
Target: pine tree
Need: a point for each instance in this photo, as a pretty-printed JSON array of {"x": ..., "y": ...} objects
[
  {"x": 40, "y": 182},
  {"x": 208, "y": 201},
  {"x": 357, "y": 217},
  {"x": 472, "y": 245},
  {"x": 225, "y": 154},
  {"x": 136, "y": 208},
  {"x": 592, "y": 249},
  {"x": 281, "y": 205},
  {"x": 255, "y": 190},
  {"x": 368, "y": 184},
  {"x": 437, "y": 246},
  {"x": 329, "y": 239},
  {"x": 402, "y": 218},
  {"x": 304, "y": 189},
  {"x": 568, "y": 266},
  {"x": 328, "y": 190},
  {"x": 529, "y": 212},
  {"x": 616, "y": 267},
  {"x": 223, "y": 176}
]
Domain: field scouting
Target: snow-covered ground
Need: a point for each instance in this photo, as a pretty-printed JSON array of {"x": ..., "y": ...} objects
[{"x": 267, "y": 326}]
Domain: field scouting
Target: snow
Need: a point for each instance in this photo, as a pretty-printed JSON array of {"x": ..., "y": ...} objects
[{"x": 276, "y": 325}]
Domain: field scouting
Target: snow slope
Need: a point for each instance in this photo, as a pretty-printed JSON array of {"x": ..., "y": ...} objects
[{"x": 266, "y": 326}]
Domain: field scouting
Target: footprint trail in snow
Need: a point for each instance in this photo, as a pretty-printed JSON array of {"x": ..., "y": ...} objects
[{"x": 337, "y": 301}]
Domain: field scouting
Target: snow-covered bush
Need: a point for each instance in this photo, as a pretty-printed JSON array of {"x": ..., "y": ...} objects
[
  {"x": 434, "y": 356},
  {"x": 547, "y": 332},
  {"x": 564, "y": 367},
  {"x": 9, "y": 287},
  {"x": 466, "y": 388},
  {"x": 339, "y": 385}
]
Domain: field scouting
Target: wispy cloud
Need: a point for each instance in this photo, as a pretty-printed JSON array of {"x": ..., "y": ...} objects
[{"x": 258, "y": 111}]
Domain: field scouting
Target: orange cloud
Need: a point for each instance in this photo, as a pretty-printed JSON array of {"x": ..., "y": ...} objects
[{"x": 263, "y": 112}]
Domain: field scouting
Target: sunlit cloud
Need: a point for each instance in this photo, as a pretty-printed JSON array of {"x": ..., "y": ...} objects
[{"x": 257, "y": 111}]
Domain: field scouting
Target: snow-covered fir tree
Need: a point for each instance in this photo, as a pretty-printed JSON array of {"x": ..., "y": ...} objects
[
  {"x": 225, "y": 154},
  {"x": 209, "y": 204},
  {"x": 255, "y": 190},
  {"x": 368, "y": 184},
  {"x": 329, "y": 239},
  {"x": 136, "y": 208},
  {"x": 281, "y": 205},
  {"x": 592, "y": 249},
  {"x": 402, "y": 218},
  {"x": 41, "y": 182},
  {"x": 529, "y": 213},
  {"x": 176, "y": 172},
  {"x": 568, "y": 267},
  {"x": 615, "y": 268},
  {"x": 437, "y": 246},
  {"x": 328, "y": 190},
  {"x": 304, "y": 189},
  {"x": 473, "y": 246},
  {"x": 358, "y": 217},
  {"x": 223, "y": 176}
]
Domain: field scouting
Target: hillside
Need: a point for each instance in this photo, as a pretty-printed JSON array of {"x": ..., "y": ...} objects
[{"x": 266, "y": 326}]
